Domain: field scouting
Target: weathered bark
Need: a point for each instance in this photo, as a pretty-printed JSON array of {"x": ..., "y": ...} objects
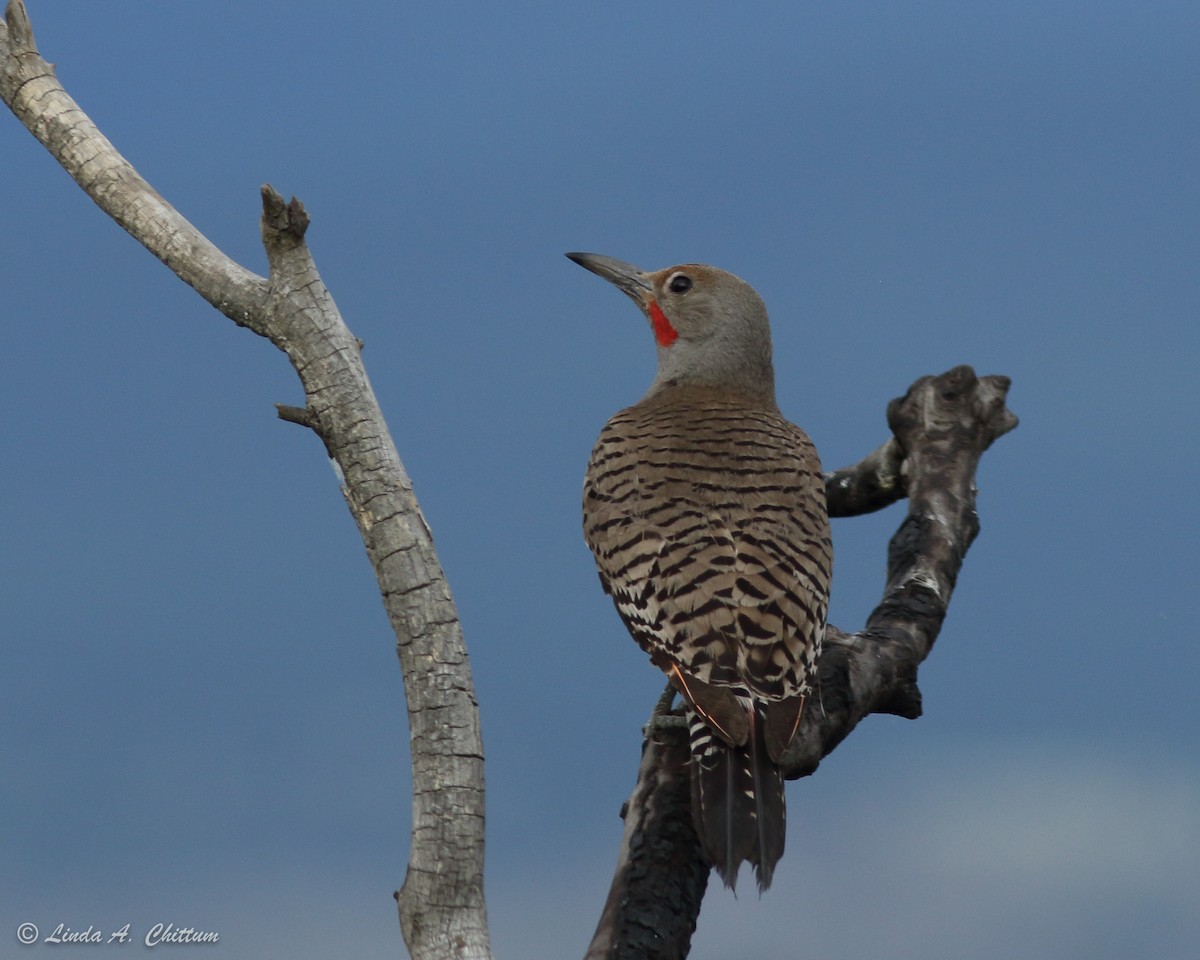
[
  {"x": 941, "y": 428},
  {"x": 871, "y": 484},
  {"x": 441, "y": 903},
  {"x": 659, "y": 840}
]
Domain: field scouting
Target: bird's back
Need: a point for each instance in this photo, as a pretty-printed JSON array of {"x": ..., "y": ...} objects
[{"x": 706, "y": 515}]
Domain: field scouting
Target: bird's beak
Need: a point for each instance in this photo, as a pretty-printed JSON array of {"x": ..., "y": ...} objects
[{"x": 625, "y": 276}]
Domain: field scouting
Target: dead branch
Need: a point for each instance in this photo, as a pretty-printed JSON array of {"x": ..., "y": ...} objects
[{"x": 441, "y": 903}]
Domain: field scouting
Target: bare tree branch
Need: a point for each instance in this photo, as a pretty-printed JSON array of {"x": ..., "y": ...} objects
[
  {"x": 941, "y": 428},
  {"x": 871, "y": 484},
  {"x": 441, "y": 904},
  {"x": 31, "y": 90},
  {"x": 641, "y": 919}
]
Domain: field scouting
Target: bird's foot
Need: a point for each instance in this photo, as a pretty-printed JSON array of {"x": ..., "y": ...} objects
[{"x": 662, "y": 717}]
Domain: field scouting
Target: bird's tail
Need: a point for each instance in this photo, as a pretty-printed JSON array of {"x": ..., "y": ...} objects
[{"x": 737, "y": 801}]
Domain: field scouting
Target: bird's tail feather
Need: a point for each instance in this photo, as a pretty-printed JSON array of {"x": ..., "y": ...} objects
[{"x": 737, "y": 801}]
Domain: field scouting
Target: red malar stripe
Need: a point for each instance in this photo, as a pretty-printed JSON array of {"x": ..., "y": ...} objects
[{"x": 664, "y": 333}]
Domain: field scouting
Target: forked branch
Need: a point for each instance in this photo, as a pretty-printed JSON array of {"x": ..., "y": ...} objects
[{"x": 441, "y": 903}]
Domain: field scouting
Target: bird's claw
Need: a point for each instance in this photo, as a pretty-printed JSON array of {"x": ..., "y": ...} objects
[{"x": 661, "y": 717}]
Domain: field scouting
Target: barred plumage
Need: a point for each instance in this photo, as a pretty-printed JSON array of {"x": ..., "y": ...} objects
[{"x": 705, "y": 511}]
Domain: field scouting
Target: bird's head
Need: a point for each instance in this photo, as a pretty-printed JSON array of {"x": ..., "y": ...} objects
[{"x": 710, "y": 326}]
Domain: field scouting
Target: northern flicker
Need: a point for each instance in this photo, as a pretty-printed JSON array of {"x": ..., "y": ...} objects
[{"x": 705, "y": 511}]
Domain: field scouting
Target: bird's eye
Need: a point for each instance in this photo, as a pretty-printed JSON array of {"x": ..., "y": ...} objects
[{"x": 680, "y": 283}]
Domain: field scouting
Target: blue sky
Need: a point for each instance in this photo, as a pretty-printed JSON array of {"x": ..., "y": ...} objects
[{"x": 201, "y": 707}]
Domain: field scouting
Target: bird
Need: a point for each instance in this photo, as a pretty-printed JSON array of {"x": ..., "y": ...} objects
[{"x": 704, "y": 509}]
